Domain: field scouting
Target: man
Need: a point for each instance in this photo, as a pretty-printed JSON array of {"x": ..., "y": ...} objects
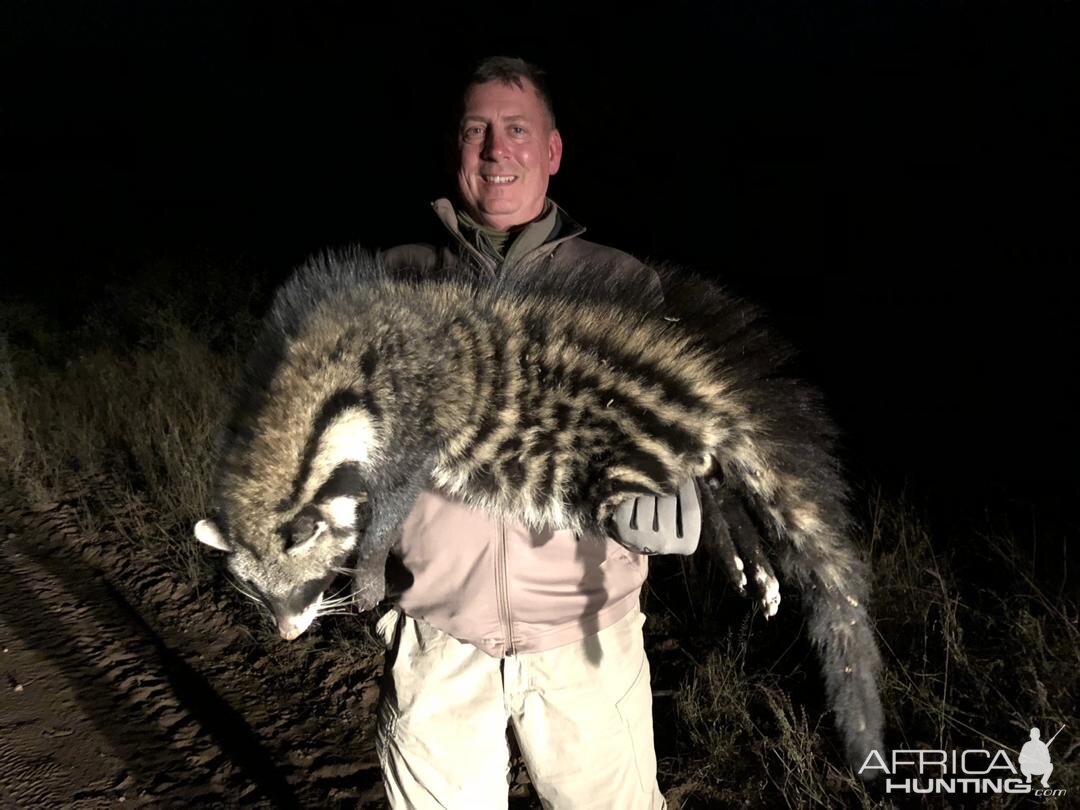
[
  {"x": 1035, "y": 758},
  {"x": 495, "y": 624}
]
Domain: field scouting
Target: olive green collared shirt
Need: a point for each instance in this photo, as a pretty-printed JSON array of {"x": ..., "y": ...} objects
[{"x": 507, "y": 247}]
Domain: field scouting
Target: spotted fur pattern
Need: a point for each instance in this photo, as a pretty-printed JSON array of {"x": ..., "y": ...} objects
[{"x": 548, "y": 399}]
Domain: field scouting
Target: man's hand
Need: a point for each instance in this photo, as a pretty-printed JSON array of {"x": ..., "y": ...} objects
[{"x": 651, "y": 524}]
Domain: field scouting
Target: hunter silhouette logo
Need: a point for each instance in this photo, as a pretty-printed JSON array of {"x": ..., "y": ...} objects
[
  {"x": 1035, "y": 757},
  {"x": 971, "y": 770}
]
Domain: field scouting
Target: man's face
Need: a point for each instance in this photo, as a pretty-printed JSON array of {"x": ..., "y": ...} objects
[{"x": 507, "y": 153}]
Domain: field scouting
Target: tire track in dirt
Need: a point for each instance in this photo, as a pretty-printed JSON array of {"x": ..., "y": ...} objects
[
  {"x": 78, "y": 664},
  {"x": 27, "y": 782},
  {"x": 165, "y": 690}
]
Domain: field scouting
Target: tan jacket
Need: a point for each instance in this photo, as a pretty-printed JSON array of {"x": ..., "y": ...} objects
[{"x": 496, "y": 584}]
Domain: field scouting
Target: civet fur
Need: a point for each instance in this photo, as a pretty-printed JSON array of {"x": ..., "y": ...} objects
[{"x": 550, "y": 400}]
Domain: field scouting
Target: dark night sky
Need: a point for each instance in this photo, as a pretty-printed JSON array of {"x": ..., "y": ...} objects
[{"x": 898, "y": 183}]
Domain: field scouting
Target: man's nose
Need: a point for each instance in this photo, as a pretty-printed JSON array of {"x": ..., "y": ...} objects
[{"x": 494, "y": 145}]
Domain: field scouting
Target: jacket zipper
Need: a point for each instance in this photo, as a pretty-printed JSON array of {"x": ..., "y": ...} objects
[
  {"x": 501, "y": 582},
  {"x": 501, "y": 575},
  {"x": 484, "y": 260},
  {"x": 575, "y": 230}
]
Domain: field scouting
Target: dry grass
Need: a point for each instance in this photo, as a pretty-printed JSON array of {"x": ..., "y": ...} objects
[
  {"x": 977, "y": 648},
  {"x": 976, "y": 652},
  {"x": 147, "y": 414}
]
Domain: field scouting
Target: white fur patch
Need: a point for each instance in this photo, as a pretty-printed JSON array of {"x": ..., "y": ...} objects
[
  {"x": 771, "y": 586},
  {"x": 293, "y": 626},
  {"x": 740, "y": 567},
  {"x": 206, "y": 531},
  {"x": 342, "y": 511},
  {"x": 350, "y": 438}
]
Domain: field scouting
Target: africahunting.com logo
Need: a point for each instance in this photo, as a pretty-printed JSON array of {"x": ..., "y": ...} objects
[{"x": 974, "y": 770}]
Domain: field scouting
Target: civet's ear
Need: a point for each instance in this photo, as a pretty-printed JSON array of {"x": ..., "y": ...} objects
[{"x": 206, "y": 531}]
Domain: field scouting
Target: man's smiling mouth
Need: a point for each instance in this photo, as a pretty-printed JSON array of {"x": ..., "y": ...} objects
[{"x": 499, "y": 179}]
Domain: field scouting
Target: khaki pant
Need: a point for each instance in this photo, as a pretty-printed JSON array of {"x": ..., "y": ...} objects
[{"x": 582, "y": 715}]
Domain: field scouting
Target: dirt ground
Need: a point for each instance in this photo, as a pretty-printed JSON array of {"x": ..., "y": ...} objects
[{"x": 120, "y": 683}]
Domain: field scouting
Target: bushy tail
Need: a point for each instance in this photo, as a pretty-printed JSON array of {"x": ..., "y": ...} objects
[
  {"x": 841, "y": 630},
  {"x": 777, "y": 458},
  {"x": 834, "y": 589}
]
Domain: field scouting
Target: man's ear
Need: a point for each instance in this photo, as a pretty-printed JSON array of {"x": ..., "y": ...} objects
[
  {"x": 206, "y": 531},
  {"x": 554, "y": 151}
]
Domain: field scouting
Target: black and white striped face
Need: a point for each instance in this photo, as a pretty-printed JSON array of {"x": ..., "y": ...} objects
[{"x": 288, "y": 567}]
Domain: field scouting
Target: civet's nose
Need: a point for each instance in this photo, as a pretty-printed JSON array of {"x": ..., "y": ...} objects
[
  {"x": 289, "y": 630},
  {"x": 292, "y": 626}
]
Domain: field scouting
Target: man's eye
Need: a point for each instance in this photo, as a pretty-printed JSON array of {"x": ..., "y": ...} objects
[
  {"x": 519, "y": 130},
  {"x": 473, "y": 133}
]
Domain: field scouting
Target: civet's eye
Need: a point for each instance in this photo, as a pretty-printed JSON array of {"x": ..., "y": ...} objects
[{"x": 299, "y": 531}]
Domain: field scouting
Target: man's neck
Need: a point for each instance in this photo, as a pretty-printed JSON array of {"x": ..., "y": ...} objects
[
  {"x": 506, "y": 223},
  {"x": 496, "y": 242}
]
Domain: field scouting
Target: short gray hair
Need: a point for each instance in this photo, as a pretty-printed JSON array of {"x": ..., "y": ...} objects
[{"x": 511, "y": 70}]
